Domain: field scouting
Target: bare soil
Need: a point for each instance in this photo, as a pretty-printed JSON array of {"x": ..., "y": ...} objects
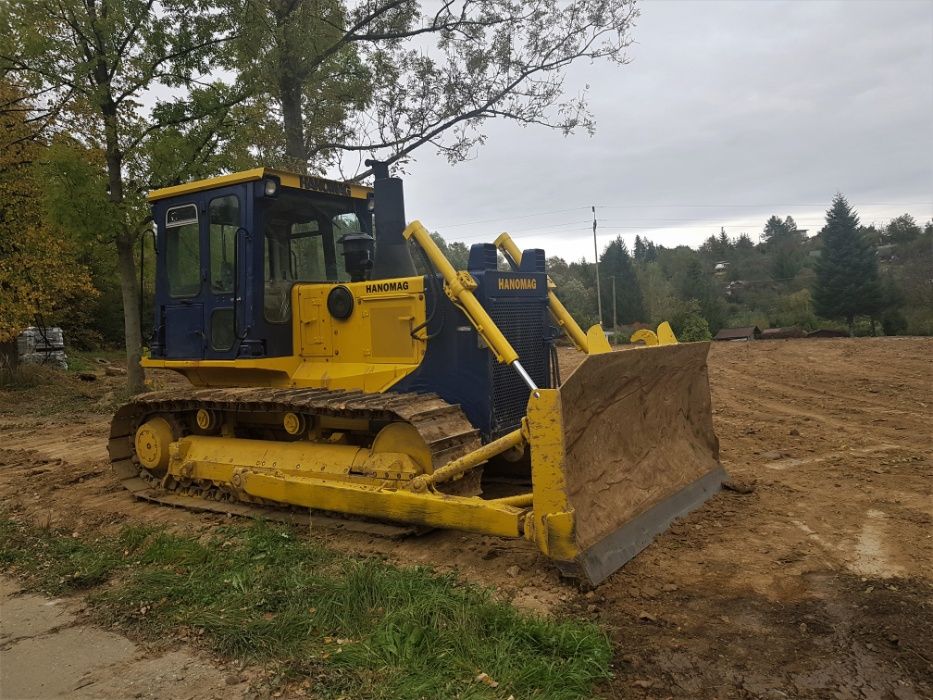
[{"x": 818, "y": 583}]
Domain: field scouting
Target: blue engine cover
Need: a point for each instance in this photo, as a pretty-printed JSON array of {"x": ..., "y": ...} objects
[{"x": 461, "y": 369}]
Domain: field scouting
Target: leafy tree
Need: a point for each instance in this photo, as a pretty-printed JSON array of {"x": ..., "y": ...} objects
[
  {"x": 617, "y": 263},
  {"x": 903, "y": 229},
  {"x": 389, "y": 76},
  {"x": 40, "y": 276},
  {"x": 577, "y": 293},
  {"x": 92, "y": 62},
  {"x": 795, "y": 309},
  {"x": 688, "y": 322},
  {"x": 660, "y": 301},
  {"x": 847, "y": 283}
]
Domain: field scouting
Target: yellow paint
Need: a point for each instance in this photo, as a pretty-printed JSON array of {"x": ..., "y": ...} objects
[
  {"x": 429, "y": 509},
  {"x": 552, "y": 517},
  {"x": 596, "y": 341},
  {"x": 459, "y": 286},
  {"x": 286, "y": 179},
  {"x": 666, "y": 334},
  {"x": 505, "y": 243},
  {"x": 463, "y": 464},
  {"x": 404, "y": 438},
  {"x": 646, "y": 336},
  {"x": 338, "y": 478},
  {"x": 293, "y": 423},
  {"x": 217, "y": 458},
  {"x": 152, "y": 443},
  {"x": 370, "y": 351}
]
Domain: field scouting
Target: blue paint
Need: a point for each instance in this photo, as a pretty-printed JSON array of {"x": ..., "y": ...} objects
[{"x": 461, "y": 370}]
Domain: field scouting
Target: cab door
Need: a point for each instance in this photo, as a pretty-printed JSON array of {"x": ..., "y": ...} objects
[
  {"x": 224, "y": 247},
  {"x": 182, "y": 304},
  {"x": 204, "y": 239}
]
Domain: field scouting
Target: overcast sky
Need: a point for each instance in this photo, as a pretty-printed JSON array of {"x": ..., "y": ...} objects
[{"x": 729, "y": 112}]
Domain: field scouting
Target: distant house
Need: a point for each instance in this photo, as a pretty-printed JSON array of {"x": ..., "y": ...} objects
[
  {"x": 827, "y": 333},
  {"x": 747, "y": 333},
  {"x": 721, "y": 266},
  {"x": 734, "y": 287},
  {"x": 785, "y": 332}
]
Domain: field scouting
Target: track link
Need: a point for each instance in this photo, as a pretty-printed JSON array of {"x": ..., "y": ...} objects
[{"x": 444, "y": 427}]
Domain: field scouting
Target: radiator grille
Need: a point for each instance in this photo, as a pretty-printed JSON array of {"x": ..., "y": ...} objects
[{"x": 524, "y": 323}]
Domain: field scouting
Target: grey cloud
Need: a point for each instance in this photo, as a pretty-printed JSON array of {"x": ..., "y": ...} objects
[{"x": 775, "y": 104}]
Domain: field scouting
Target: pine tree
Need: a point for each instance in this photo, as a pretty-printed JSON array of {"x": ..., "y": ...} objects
[
  {"x": 847, "y": 283},
  {"x": 641, "y": 250},
  {"x": 616, "y": 262}
]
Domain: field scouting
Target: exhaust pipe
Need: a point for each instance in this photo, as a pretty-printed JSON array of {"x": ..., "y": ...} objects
[{"x": 393, "y": 256}]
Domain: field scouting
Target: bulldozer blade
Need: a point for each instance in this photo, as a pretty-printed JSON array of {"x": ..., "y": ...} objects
[{"x": 625, "y": 446}]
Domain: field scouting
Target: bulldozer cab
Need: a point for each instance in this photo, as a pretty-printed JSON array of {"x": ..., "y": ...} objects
[{"x": 229, "y": 251}]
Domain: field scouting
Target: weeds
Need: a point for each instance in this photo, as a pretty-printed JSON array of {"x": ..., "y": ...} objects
[{"x": 357, "y": 626}]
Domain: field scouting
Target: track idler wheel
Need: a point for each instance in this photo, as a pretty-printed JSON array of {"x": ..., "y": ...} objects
[{"x": 152, "y": 444}]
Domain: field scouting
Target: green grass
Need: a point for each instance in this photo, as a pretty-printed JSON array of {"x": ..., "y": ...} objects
[{"x": 356, "y": 626}]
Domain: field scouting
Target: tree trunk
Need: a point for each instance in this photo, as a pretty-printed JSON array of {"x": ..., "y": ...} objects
[
  {"x": 126, "y": 264},
  {"x": 292, "y": 121},
  {"x": 126, "y": 261},
  {"x": 850, "y": 320},
  {"x": 873, "y": 331}
]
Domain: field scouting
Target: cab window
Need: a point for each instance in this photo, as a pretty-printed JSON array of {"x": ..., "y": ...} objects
[
  {"x": 182, "y": 251},
  {"x": 300, "y": 245},
  {"x": 224, "y": 218}
]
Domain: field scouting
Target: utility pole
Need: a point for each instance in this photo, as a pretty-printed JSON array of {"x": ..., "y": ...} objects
[
  {"x": 599, "y": 298},
  {"x": 615, "y": 323}
]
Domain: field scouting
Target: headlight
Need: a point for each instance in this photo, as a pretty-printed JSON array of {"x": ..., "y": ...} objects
[
  {"x": 340, "y": 302},
  {"x": 270, "y": 187}
]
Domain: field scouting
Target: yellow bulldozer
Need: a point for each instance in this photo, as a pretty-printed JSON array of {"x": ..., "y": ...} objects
[{"x": 330, "y": 374}]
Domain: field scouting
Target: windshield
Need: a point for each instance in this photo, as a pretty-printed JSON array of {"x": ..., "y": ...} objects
[{"x": 300, "y": 245}]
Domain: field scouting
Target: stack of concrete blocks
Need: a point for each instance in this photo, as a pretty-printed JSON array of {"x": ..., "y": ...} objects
[{"x": 42, "y": 346}]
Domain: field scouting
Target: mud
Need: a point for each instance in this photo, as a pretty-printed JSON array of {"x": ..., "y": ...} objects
[
  {"x": 638, "y": 429},
  {"x": 815, "y": 583}
]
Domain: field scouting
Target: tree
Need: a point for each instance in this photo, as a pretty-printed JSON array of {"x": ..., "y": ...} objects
[
  {"x": 386, "y": 76},
  {"x": 693, "y": 327},
  {"x": 693, "y": 282},
  {"x": 903, "y": 229},
  {"x": 783, "y": 241},
  {"x": 574, "y": 289},
  {"x": 93, "y": 61},
  {"x": 847, "y": 283},
  {"x": 645, "y": 251},
  {"x": 40, "y": 276},
  {"x": 617, "y": 263}
]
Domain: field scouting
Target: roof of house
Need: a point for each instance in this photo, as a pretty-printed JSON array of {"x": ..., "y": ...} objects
[
  {"x": 827, "y": 333},
  {"x": 738, "y": 333},
  {"x": 784, "y": 332}
]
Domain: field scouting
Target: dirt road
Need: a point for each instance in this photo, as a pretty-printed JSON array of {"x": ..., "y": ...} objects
[{"x": 818, "y": 583}]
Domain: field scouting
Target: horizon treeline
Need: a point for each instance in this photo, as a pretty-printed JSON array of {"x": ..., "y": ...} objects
[{"x": 868, "y": 280}]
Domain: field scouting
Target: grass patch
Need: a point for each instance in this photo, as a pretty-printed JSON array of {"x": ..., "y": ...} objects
[{"x": 354, "y": 626}]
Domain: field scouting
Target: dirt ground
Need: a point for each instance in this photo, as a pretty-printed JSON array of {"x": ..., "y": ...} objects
[{"x": 816, "y": 584}]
